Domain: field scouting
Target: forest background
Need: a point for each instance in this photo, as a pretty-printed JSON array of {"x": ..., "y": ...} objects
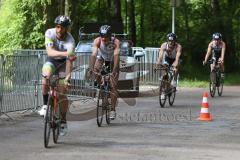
[{"x": 23, "y": 23}]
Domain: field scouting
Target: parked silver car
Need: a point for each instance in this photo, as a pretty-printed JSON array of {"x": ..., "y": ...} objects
[{"x": 129, "y": 66}]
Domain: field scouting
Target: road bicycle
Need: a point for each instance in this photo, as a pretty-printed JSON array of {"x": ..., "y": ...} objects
[
  {"x": 52, "y": 119},
  {"x": 104, "y": 105},
  {"x": 166, "y": 90},
  {"x": 216, "y": 80}
]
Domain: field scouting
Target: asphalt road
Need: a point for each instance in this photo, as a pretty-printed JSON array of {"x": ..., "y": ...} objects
[{"x": 141, "y": 131}]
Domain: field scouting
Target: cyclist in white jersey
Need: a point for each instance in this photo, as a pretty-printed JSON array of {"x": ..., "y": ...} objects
[
  {"x": 60, "y": 54},
  {"x": 106, "y": 50},
  {"x": 170, "y": 53}
]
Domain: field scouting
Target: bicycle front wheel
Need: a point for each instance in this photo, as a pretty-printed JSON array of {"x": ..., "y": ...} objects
[
  {"x": 171, "y": 96},
  {"x": 212, "y": 84},
  {"x": 56, "y": 122},
  {"x": 220, "y": 87},
  {"x": 108, "y": 109},
  {"x": 162, "y": 93},
  {"x": 100, "y": 110},
  {"x": 48, "y": 122}
]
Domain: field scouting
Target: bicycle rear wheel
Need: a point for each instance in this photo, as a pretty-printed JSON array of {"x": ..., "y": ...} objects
[
  {"x": 220, "y": 87},
  {"x": 48, "y": 122},
  {"x": 108, "y": 109},
  {"x": 212, "y": 84},
  {"x": 162, "y": 94},
  {"x": 171, "y": 96},
  {"x": 100, "y": 110},
  {"x": 56, "y": 123}
]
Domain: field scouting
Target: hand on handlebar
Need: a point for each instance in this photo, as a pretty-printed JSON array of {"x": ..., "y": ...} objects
[
  {"x": 71, "y": 55},
  {"x": 67, "y": 82},
  {"x": 220, "y": 60},
  {"x": 157, "y": 66},
  {"x": 89, "y": 73},
  {"x": 204, "y": 62}
]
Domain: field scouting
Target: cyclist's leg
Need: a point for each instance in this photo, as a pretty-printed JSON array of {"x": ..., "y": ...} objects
[
  {"x": 222, "y": 68},
  {"x": 97, "y": 68},
  {"x": 114, "y": 92},
  {"x": 63, "y": 99},
  {"x": 47, "y": 69}
]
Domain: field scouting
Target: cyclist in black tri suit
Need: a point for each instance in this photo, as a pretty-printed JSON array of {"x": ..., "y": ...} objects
[
  {"x": 216, "y": 48},
  {"x": 170, "y": 53}
]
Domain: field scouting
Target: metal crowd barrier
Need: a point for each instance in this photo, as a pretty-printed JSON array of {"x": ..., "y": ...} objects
[{"x": 20, "y": 77}]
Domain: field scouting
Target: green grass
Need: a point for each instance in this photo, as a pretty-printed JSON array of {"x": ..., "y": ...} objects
[
  {"x": 229, "y": 80},
  {"x": 193, "y": 83}
]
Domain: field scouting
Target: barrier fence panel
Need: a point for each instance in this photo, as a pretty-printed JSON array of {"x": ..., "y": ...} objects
[
  {"x": 1, "y": 84},
  {"x": 147, "y": 64},
  {"x": 19, "y": 75}
]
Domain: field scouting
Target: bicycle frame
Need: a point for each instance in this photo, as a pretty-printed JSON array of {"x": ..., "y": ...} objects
[
  {"x": 165, "y": 88},
  {"x": 103, "y": 104},
  {"x": 215, "y": 78},
  {"x": 53, "y": 113}
]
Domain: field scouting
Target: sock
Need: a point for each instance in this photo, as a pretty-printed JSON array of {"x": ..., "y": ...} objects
[{"x": 45, "y": 99}]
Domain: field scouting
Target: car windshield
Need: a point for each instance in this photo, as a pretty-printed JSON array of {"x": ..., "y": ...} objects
[
  {"x": 84, "y": 47},
  {"x": 125, "y": 49}
]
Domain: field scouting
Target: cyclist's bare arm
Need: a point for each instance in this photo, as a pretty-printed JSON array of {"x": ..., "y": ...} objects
[
  {"x": 179, "y": 52},
  {"x": 94, "y": 53},
  {"x": 223, "y": 51},
  {"x": 160, "y": 57},
  {"x": 208, "y": 53},
  {"x": 69, "y": 67},
  {"x": 116, "y": 55},
  {"x": 51, "y": 52}
]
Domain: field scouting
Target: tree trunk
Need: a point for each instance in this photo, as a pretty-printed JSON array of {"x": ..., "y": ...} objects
[
  {"x": 115, "y": 13},
  {"x": 132, "y": 24},
  {"x": 68, "y": 7},
  {"x": 50, "y": 13},
  {"x": 142, "y": 23}
]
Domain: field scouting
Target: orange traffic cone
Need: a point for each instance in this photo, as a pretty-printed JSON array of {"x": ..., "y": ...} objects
[{"x": 204, "y": 114}]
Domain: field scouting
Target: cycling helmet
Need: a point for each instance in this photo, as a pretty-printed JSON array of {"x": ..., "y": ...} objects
[
  {"x": 63, "y": 21},
  {"x": 171, "y": 37},
  {"x": 217, "y": 36},
  {"x": 105, "y": 31}
]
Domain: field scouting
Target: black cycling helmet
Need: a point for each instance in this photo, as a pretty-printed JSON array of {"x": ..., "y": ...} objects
[
  {"x": 217, "y": 36},
  {"x": 105, "y": 31},
  {"x": 63, "y": 21},
  {"x": 171, "y": 37}
]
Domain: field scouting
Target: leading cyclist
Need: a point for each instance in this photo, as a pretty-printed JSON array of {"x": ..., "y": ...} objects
[
  {"x": 217, "y": 48},
  {"x": 60, "y": 51},
  {"x": 106, "y": 49},
  {"x": 170, "y": 53}
]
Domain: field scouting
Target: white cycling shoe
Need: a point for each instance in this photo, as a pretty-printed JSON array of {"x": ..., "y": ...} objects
[
  {"x": 63, "y": 129},
  {"x": 112, "y": 115},
  {"x": 43, "y": 110}
]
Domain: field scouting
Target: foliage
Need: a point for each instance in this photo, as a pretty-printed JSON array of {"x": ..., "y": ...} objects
[{"x": 23, "y": 23}]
